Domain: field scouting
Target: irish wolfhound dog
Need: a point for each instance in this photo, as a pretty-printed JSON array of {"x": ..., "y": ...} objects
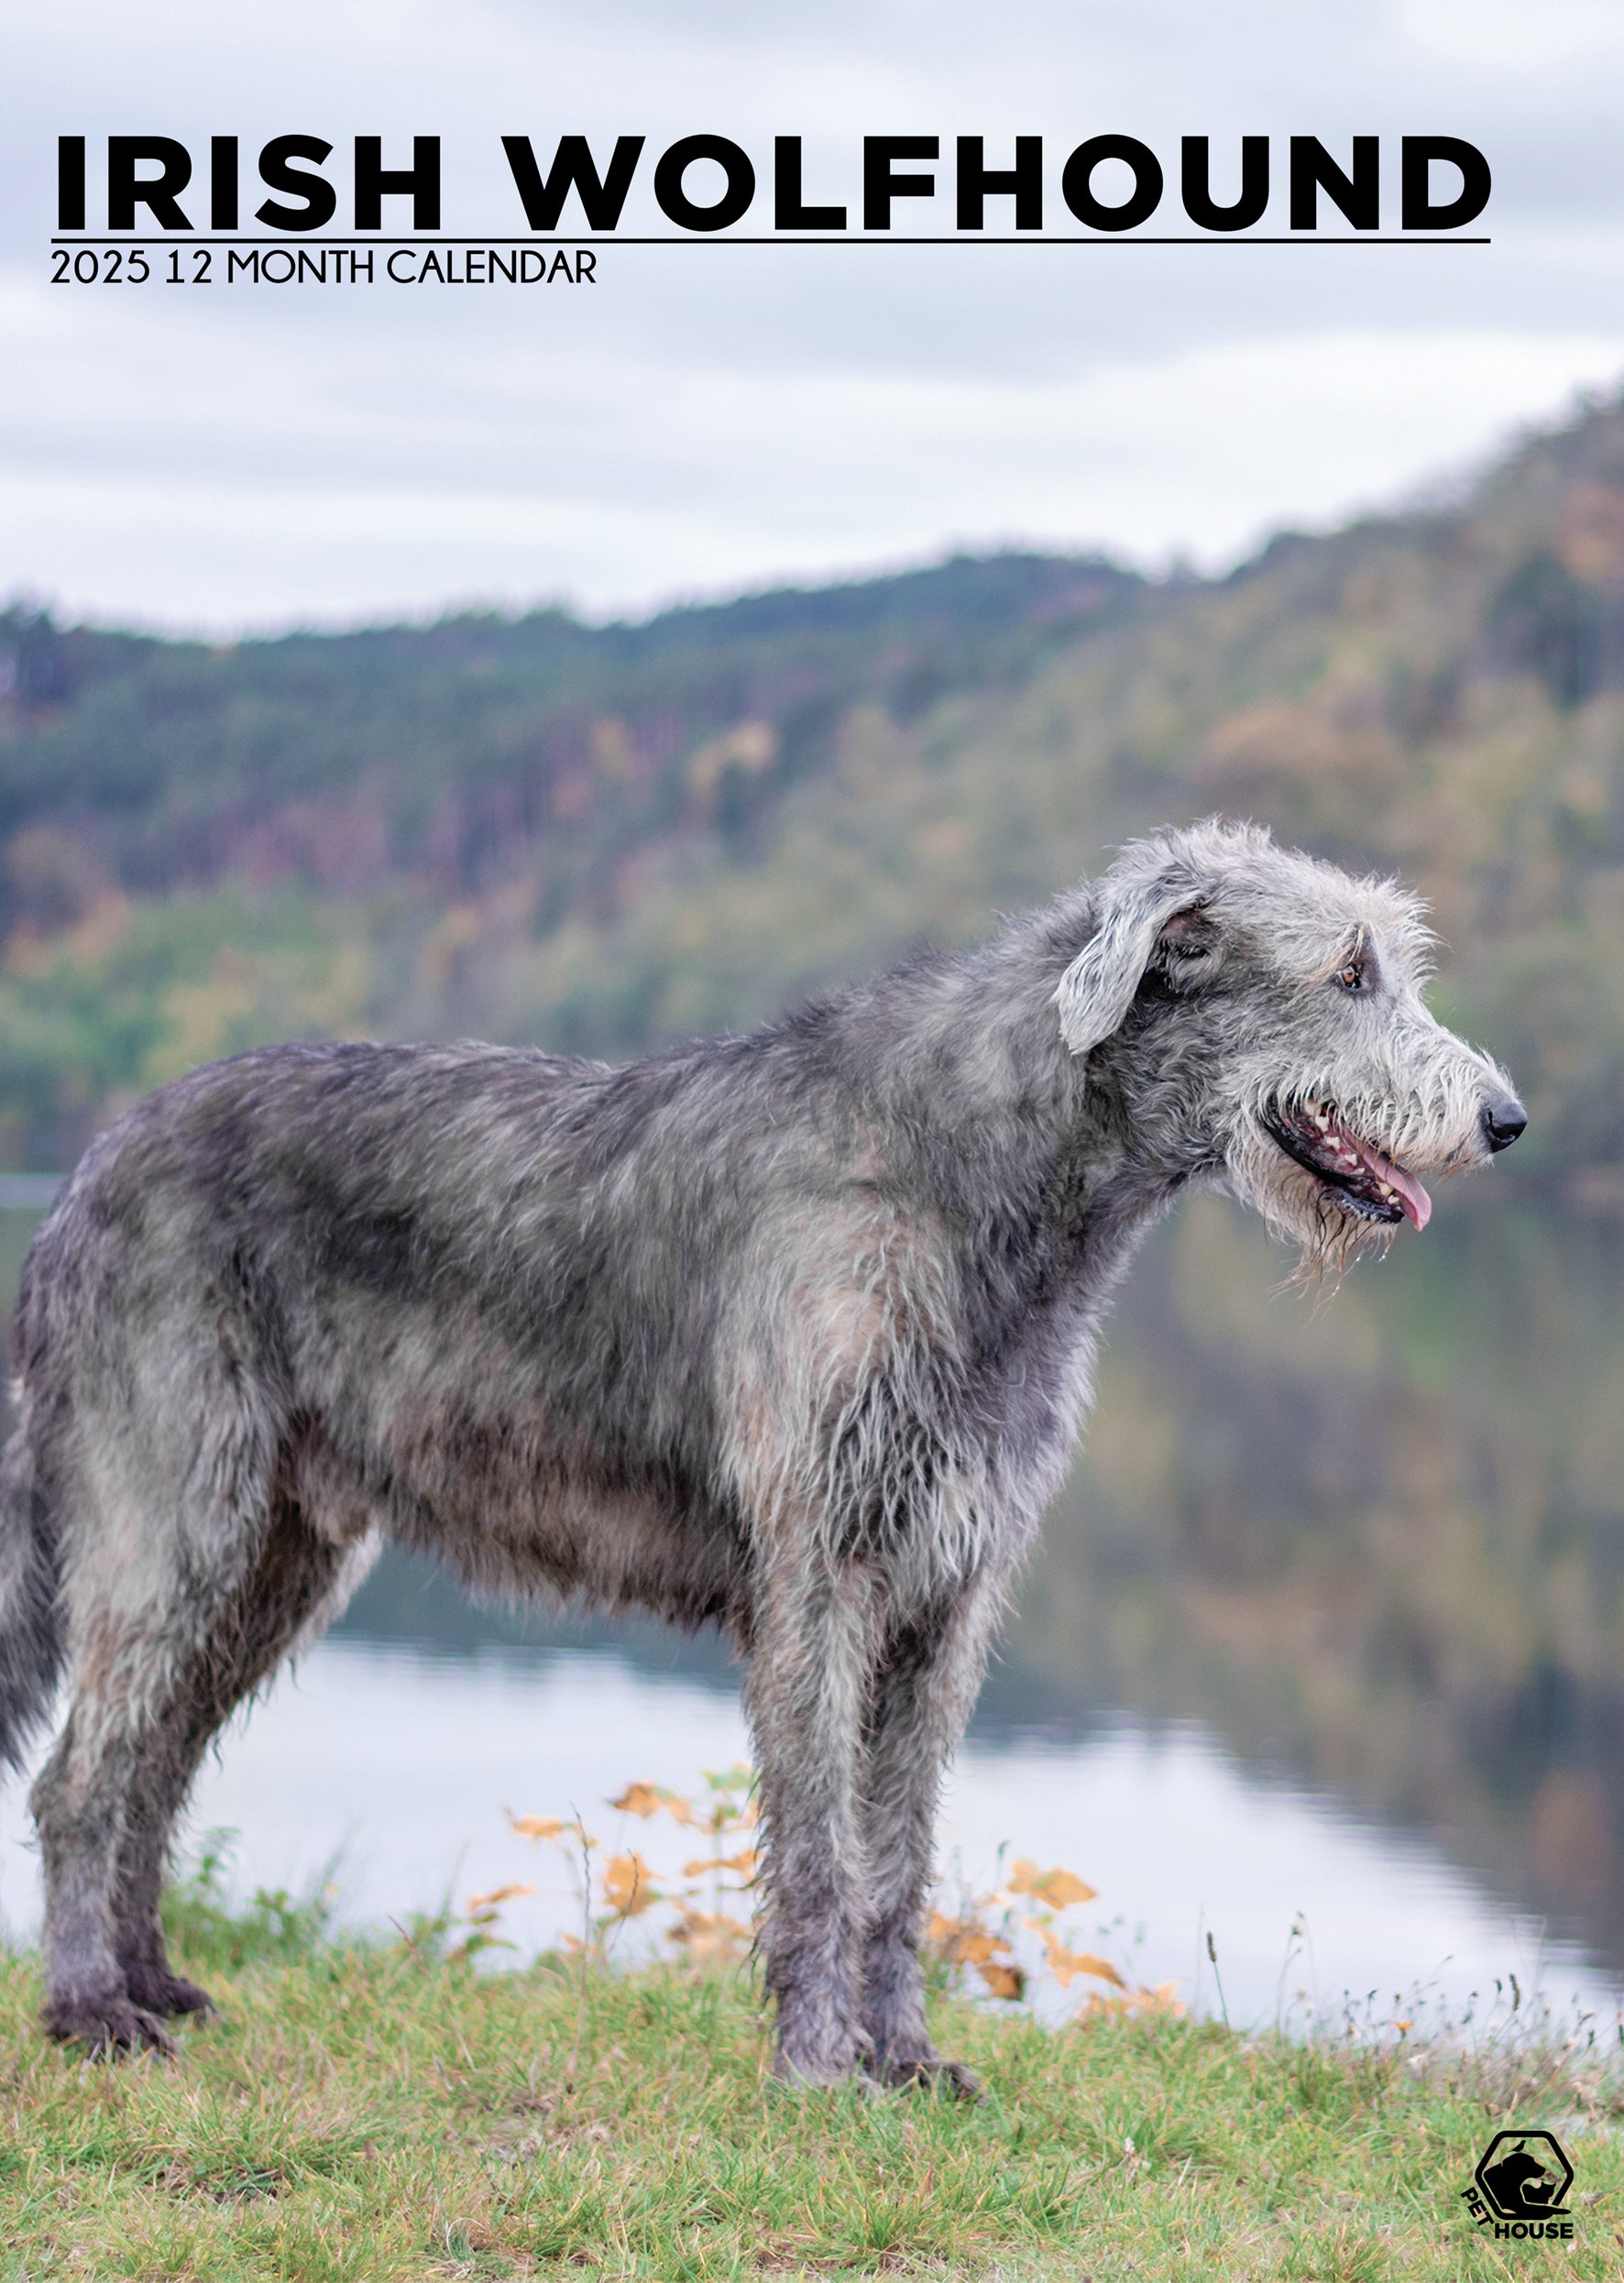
[{"x": 791, "y": 1331}]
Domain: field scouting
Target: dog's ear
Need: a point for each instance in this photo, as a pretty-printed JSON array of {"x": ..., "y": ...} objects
[{"x": 1139, "y": 909}]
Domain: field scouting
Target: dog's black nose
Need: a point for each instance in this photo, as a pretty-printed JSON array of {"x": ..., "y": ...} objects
[{"x": 1503, "y": 1120}]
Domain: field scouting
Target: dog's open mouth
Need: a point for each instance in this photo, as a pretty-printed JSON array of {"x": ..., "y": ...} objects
[{"x": 1371, "y": 1184}]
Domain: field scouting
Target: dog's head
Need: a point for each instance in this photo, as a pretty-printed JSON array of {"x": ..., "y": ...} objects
[{"x": 1263, "y": 1013}]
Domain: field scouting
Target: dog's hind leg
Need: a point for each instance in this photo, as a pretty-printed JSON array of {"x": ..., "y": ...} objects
[
  {"x": 80, "y": 1807},
  {"x": 300, "y": 1582},
  {"x": 164, "y": 1494},
  {"x": 927, "y": 1683}
]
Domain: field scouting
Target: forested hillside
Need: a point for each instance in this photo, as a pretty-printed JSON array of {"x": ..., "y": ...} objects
[{"x": 599, "y": 837}]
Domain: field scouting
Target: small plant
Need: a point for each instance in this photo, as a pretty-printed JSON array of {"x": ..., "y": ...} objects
[
  {"x": 624, "y": 1886},
  {"x": 983, "y": 1938},
  {"x": 981, "y": 1943},
  {"x": 199, "y": 1917},
  {"x": 484, "y": 1910}
]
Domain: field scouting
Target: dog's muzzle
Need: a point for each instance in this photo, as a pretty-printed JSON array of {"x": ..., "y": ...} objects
[{"x": 1369, "y": 1184}]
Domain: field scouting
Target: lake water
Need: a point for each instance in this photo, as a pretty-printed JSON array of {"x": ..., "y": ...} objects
[
  {"x": 399, "y": 1766},
  {"x": 1328, "y": 1630}
]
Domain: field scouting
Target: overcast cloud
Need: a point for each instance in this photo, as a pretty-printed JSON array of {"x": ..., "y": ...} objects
[{"x": 710, "y": 416}]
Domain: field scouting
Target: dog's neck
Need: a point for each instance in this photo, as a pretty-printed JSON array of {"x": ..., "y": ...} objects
[{"x": 994, "y": 1116}]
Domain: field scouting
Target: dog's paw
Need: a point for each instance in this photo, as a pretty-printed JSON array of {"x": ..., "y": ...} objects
[
  {"x": 951, "y": 2080},
  {"x": 106, "y": 2027},
  {"x": 157, "y": 1991}
]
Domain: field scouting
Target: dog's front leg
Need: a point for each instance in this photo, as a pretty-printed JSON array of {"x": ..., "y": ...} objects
[
  {"x": 815, "y": 1637},
  {"x": 927, "y": 1683}
]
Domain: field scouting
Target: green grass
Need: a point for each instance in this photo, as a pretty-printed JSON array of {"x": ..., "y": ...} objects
[{"x": 371, "y": 2110}]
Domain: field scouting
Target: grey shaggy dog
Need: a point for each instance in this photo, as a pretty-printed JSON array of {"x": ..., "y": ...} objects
[{"x": 789, "y": 1332}]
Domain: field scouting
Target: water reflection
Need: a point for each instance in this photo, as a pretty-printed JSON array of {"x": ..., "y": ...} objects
[
  {"x": 1381, "y": 1545},
  {"x": 1375, "y": 1548}
]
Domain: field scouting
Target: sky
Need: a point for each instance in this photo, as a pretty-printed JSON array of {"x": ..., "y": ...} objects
[{"x": 706, "y": 417}]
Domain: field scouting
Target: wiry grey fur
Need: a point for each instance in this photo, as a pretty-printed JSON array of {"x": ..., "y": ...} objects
[{"x": 789, "y": 1332}]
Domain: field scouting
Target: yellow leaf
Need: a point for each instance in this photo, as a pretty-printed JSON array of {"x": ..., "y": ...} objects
[
  {"x": 1118, "y": 2006},
  {"x": 536, "y": 1827},
  {"x": 498, "y": 1894},
  {"x": 1063, "y": 1889},
  {"x": 628, "y": 1886},
  {"x": 1066, "y": 1965},
  {"x": 703, "y": 1865},
  {"x": 1085, "y": 1962},
  {"x": 964, "y": 1941},
  {"x": 1060, "y": 1889},
  {"x": 711, "y": 1938},
  {"x": 1004, "y": 1982},
  {"x": 647, "y": 1799}
]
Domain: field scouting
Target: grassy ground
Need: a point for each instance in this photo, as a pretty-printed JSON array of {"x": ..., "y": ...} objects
[{"x": 371, "y": 2110}]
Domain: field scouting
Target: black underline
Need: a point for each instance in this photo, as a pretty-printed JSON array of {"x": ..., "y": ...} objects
[{"x": 292, "y": 244}]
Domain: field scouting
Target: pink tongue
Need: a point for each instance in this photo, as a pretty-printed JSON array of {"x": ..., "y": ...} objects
[{"x": 1410, "y": 1192}]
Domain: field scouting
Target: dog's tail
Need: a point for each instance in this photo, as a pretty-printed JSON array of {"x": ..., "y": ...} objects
[{"x": 30, "y": 1618}]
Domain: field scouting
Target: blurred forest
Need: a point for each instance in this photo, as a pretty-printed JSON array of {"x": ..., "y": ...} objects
[
  {"x": 598, "y": 839},
  {"x": 1382, "y": 1543}
]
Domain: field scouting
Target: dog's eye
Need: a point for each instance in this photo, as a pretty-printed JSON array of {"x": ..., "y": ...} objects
[{"x": 1352, "y": 977}]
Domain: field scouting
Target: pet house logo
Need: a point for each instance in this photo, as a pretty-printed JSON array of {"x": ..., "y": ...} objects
[{"x": 1519, "y": 2188}]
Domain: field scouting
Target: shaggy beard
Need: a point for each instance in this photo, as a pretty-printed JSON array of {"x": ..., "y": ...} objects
[
  {"x": 1329, "y": 1234},
  {"x": 1330, "y": 1238},
  {"x": 1308, "y": 1213}
]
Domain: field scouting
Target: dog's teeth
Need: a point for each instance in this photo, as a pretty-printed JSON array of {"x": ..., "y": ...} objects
[{"x": 1386, "y": 1188}]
